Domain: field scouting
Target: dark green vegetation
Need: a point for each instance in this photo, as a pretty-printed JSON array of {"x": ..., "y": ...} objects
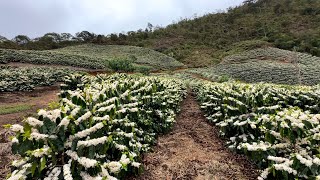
[
  {"x": 267, "y": 65},
  {"x": 92, "y": 56},
  {"x": 201, "y": 41}
]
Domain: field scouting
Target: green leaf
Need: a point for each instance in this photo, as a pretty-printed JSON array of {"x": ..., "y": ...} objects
[
  {"x": 91, "y": 152},
  {"x": 34, "y": 167},
  {"x": 42, "y": 163},
  {"x": 7, "y": 126},
  {"x": 27, "y": 131}
]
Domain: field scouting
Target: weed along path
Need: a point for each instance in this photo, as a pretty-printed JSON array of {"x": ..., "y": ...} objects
[{"x": 193, "y": 150}]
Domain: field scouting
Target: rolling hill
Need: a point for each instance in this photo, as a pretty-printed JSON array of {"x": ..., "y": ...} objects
[
  {"x": 270, "y": 65},
  {"x": 206, "y": 40},
  {"x": 92, "y": 56}
]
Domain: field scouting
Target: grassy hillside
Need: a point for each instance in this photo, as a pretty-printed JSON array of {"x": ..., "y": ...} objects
[
  {"x": 92, "y": 56},
  {"x": 285, "y": 24},
  {"x": 205, "y": 40},
  {"x": 267, "y": 65}
]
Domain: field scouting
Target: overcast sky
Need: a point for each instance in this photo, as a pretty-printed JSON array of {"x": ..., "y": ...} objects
[{"x": 37, "y": 17}]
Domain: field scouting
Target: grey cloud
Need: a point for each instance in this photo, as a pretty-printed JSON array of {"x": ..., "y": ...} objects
[{"x": 37, "y": 17}]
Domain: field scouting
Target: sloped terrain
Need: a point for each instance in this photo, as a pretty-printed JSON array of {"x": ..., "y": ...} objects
[
  {"x": 91, "y": 56},
  {"x": 267, "y": 65}
]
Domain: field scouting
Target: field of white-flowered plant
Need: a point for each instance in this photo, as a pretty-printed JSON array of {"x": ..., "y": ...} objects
[
  {"x": 26, "y": 78},
  {"x": 277, "y": 126},
  {"x": 270, "y": 65},
  {"x": 99, "y": 130},
  {"x": 91, "y": 56}
]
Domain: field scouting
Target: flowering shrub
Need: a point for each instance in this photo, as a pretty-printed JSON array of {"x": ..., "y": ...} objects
[
  {"x": 26, "y": 79},
  {"x": 100, "y": 129},
  {"x": 277, "y": 126}
]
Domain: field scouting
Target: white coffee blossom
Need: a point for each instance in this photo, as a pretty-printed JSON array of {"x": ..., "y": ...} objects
[
  {"x": 15, "y": 140},
  {"x": 17, "y": 128},
  {"x": 136, "y": 164},
  {"x": 84, "y": 117},
  {"x": 114, "y": 166},
  {"x": 34, "y": 122},
  {"x": 67, "y": 172},
  {"x": 124, "y": 160}
]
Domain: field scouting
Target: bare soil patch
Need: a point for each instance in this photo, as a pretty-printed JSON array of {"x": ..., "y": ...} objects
[{"x": 193, "y": 150}]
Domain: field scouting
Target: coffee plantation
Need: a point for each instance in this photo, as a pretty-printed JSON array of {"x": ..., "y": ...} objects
[
  {"x": 26, "y": 79},
  {"x": 100, "y": 130},
  {"x": 277, "y": 126}
]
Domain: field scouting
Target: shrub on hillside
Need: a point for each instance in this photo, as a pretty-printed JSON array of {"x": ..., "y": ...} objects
[{"x": 121, "y": 65}]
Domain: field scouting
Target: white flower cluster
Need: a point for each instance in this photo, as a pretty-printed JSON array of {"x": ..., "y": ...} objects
[
  {"x": 93, "y": 142},
  {"x": 114, "y": 166},
  {"x": 84, "y": 117},
  {"x": 52, "y": 115},
  {"x": 106, "y": 108},
  {"x": 38, "y": 136},
  {"x": 75, "y": 111},
  {"x": 54, "y": 174},
  {"x": 109, "y": 101},
  {"x": 64, "y": 122},
  {"x": 85, "y": 175},
  {"x": 104, "y": 118},
  {"x": 33, "y": 122},
  {"x": 20, "y": 174},
  {"x": 17, "y": 128},
  {"x": 86, "y": 132},
  {"x": 18, "y": 163},
  {"x": 285, "y": 167},
  {"x": 120, "y": 147},
  {"x": 136, "y": 164},
  {"x": 263, "y": 146},
  {"x": 14, "y": 140},
  {"x": 67, "y": 172},
  {"x": 264, "y": 174},
  {"x": 305, "y": 161},
  {"x": 41, "y": 152},
  {"x": 85, "y": 162}
]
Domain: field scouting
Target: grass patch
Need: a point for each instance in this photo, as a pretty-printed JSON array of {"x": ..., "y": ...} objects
[{"x": 9, "y": 109}]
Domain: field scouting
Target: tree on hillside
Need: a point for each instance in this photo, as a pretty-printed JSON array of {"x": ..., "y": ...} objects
[
  {"x": 150, "y": 27},
  {"x": 85, "y": 36},
  {"x": 66, "y": 37},
  {"x": 2, "y": 38},
  {"x": 21, "y": 39},
  {"x": 54, "y": 36}
]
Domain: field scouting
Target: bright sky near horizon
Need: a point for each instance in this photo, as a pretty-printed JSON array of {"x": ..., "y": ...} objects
[{"x": 34, "y": 18}]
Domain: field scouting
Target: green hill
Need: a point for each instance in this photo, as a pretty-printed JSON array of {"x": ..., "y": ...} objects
[
  {"x": 92, "y": 56},
  {"x": 285, "y": 24},
  {"x": 267, "y": 65},
  {"x": 202, "y": 41}
]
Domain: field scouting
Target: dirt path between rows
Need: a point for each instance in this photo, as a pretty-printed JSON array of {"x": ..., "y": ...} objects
[{"x": 193, "y": 150}]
